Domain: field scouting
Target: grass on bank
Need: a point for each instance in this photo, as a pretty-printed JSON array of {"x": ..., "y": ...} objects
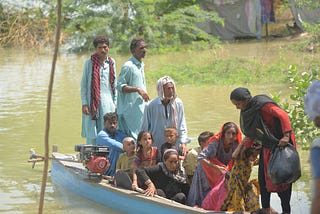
[{"x": 212, "y": 66}]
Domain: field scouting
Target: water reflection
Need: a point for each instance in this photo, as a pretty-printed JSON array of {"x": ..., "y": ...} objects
[{"x": 24, "y": 78}]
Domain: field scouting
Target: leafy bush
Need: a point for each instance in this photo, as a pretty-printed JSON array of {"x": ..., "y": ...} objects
[{"x": 304, "y": 129}]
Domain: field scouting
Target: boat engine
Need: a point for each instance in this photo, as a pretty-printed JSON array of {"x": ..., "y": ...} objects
[{"x": 93, "y": 157}]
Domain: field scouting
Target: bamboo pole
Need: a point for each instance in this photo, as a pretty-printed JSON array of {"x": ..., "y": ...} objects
[{"x": 46, "y": 156}]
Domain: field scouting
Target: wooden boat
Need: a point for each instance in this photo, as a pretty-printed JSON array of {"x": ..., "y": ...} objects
[{"x": 73, "y": 176}]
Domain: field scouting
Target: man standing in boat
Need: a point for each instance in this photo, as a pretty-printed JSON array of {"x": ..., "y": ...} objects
[
  {"x": 166, "y": 111},
  {"x": 132, "y": 90},
  {"x": 111, "y": 137},
  {"x": 98, "y": 89}
]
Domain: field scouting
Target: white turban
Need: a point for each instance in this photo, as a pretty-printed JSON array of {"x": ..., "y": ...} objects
[
  {"x": 312, "y": 100},
  {"x": 162, "y": 82}
]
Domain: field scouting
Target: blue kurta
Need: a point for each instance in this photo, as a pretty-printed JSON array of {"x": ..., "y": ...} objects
[
  {"x": 155, "y": 121},
  {"x": 90, "y": 128},
  {"x": 130, "y": 106},
  {"x": 115, "y": 148}
]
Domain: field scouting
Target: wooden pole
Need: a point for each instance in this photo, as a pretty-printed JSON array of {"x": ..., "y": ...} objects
[
  {"x": 46, "y": 156},
  {"x": 267, "y": 33}
]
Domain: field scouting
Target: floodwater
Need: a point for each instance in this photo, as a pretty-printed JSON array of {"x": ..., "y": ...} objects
[{"x": 24, "y": 78}]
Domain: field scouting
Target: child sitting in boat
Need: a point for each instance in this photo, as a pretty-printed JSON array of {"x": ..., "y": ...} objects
[
  {"x": 171, "y": 135},
  {"x": 125, "y": 161},
  {"x": 191, "y": 158},
  {"x": 146, "y": 155},
  {"x": 165, "y": 179}
]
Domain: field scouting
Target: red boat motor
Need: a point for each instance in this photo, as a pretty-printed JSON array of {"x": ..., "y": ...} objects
[
  {"x": 98, "y": 164},
  {"x": 93, "y": 157}
]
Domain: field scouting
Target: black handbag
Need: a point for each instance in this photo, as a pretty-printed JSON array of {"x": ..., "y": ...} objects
[{"x": 284, "y": 165}]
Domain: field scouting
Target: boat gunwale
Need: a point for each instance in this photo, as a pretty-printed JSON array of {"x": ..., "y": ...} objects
[{"x": 72, "y": 167}]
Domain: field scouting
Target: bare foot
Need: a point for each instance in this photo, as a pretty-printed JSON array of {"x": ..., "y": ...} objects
[{"x": 269, "y": 211}]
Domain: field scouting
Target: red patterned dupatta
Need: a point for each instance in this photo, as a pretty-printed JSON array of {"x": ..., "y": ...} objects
[
  {"x": 213, "y": 175},
  {"x": 95, "y": 83},
  {"x": 112, "y": 76}
]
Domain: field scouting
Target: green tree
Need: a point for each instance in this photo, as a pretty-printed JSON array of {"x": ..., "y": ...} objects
[
  {"x": 160, "y": 22},
  {"x": 299, "y": 81}
]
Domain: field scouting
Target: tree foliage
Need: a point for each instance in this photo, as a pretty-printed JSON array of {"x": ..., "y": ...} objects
[
  {"x": 27, "y": 27},
  {"x": 304, "y": 129},
  {"x": 159, "y": 22},
  {"x": 162, "y": 23}
]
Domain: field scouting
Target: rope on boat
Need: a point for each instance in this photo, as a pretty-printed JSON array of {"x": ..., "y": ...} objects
[{"x": 46, "y": 156}]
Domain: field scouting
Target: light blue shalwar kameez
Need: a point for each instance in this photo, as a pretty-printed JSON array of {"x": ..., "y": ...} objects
[
  {"x": 90, "y": 128},
  {"x": 115, "y": 148},
  {"x": 130, "y": 106},
  {"x": 155, "y": 121}
]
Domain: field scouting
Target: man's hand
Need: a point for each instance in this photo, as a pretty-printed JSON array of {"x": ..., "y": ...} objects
[
  {"x": 143, "y": 94},
  {"x": 85, "y": 109}
]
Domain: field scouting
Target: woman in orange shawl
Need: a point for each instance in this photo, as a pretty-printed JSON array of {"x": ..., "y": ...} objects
[{"x": 213, "y": 162}]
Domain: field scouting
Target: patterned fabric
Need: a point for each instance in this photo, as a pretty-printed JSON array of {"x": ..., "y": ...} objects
[
  {"x": 90, "y": 128},
  {"x": 267, "y": 12},
  {"x": 142, "y": 160},
  {"x": 243, "y": 195},
  {"x": 95, "y": 91},
  {"x": 112, "y": 76},
  {"x": 178, "y": 176}
]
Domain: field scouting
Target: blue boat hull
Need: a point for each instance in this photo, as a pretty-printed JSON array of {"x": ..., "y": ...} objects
[{"x": 72, "y": 177}]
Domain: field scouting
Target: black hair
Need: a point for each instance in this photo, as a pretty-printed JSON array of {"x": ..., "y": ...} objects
[
  {"x": 204, "y": 136},
  {"x": 134, "y": 43},
  {"x": 140, "y": 135},
  {"x": 240, "y": 94},
  {"x": 111, "y": 116},
  {"x": 100, "y": 40}
]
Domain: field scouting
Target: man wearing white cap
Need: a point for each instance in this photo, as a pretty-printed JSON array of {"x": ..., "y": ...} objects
[{"x": 166, "y": 111}]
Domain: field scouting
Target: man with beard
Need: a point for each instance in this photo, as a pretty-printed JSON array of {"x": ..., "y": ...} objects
[{"x": 166, "y": 111}]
